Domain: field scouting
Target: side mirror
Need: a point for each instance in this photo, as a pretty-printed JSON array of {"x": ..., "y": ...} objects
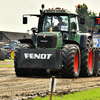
[
  {"x": 82, "y": 20},
  {"x": 24, "y": 20}
]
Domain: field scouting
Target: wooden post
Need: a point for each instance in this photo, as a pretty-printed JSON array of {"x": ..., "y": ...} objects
[{"x": 53, "y": 77}]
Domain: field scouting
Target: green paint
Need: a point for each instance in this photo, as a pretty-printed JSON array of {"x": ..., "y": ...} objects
[
  {"x": 75, "y": 38},
  {"x": 72, "y": 35},
  {"x": 70, "y": 23}
]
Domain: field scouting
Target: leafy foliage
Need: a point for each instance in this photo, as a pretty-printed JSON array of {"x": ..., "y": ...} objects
[{"x": 89, "y": 21}]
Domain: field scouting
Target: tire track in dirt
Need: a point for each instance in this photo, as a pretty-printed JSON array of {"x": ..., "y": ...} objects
[{"x": 12, "y": 87}]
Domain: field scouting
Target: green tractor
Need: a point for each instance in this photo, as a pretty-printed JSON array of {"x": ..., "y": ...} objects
[{"x": 59, "y": 47}]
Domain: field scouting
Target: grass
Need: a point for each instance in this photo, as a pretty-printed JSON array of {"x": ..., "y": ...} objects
[
  {"x": 93, "y": 94},
  {"x": 6, "y": 65},
  {"x": 5, "y": 61}
]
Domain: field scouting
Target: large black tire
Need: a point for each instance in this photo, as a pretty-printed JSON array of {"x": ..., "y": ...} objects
[
  {"x": 71, "y": 61},
  {"x": 21, "y": 72},
  {"x": 87, "y": 59},
  {"x": 2, "y": 54}
]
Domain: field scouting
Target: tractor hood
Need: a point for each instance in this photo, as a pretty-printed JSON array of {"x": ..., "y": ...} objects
[{"x": 49, "y": 40}]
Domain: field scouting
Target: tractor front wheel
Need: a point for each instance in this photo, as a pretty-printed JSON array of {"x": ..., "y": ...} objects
[
  {"x": 70, "y": 60},
  {"x": 21, "y": 72},
  {"x": 25, "y": 72}
]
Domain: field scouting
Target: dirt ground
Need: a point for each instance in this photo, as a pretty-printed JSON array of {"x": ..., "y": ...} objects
[
  {"x": 12, "y": 87},
  {"x": 6, "y": 63}
]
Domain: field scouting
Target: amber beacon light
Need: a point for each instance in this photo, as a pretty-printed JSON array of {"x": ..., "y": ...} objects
[{"x": 79, "y": 6}]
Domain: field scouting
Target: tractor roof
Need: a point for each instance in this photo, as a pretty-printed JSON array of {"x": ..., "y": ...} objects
[{"x": 59, "y": 10}]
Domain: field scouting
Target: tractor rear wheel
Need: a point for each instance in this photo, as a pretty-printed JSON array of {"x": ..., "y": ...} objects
[
  {"x": 87, "y": 59},
  {"x": 2, "y": 54},
  {"x": 70, "y": 60},
  {"x": 21, "y": 72}
]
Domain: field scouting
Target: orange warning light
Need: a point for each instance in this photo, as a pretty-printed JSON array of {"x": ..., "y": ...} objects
[
  {"x": 79, "y": 5},
  {"x": 51, "y": 29}
]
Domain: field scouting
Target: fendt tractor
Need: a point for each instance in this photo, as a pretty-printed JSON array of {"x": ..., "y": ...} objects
[{"x": 59, "y": 48}]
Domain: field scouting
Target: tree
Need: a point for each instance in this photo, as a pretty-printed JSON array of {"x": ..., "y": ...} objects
[{"x": 89, "y": 21}]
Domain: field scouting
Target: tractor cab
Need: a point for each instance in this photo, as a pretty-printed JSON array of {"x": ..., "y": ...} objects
[
  {"x": 59, "y": 20},
  {"x": 59, "y": 23},
  {"x": 96, "y": 36},
  {"x": 63, "y": 23}
]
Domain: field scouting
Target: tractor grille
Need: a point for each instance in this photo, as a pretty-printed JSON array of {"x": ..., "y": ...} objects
[{"x": 47, "y": 40}]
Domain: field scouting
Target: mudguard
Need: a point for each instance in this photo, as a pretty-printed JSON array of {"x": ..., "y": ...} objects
[
  {"x": 83, "y": 40},
  {"x": 27, "y": 41}
]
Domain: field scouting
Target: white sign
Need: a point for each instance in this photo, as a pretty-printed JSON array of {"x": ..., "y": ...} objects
[
  {"x": 96, "y": 40},
  {"x": 64, "y": 28},
  {"x": 54, "y": 86}
]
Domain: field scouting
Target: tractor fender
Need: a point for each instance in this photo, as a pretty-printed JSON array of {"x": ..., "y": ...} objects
[
  {"x": 71, "y": 42},
  {"x": 83, "y": 39},
  {"x": 27, "y": 41}
]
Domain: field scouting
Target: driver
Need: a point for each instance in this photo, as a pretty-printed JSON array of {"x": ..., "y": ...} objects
[{"x": 60, "y": 22}]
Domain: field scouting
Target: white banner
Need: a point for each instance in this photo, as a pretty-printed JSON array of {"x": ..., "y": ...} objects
[
  {"x": 64, "y": 28},
  {"x": 96, "y": 40}
]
